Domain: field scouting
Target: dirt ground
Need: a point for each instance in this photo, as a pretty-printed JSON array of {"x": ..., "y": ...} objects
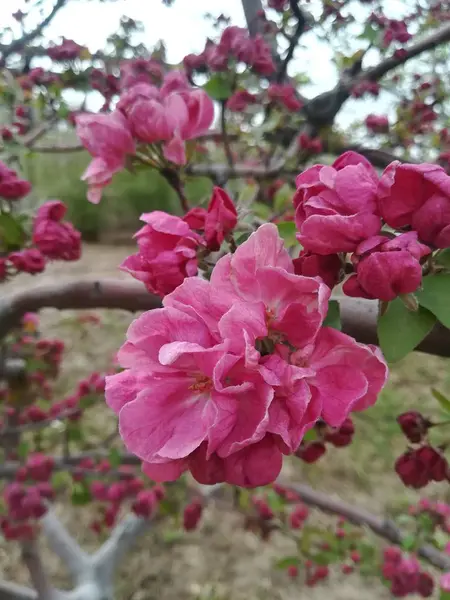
[{"x": 221, "y": 561}]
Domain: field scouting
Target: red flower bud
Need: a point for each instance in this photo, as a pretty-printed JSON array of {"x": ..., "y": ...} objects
[
  {"x": 413, "y": 425},
  {"x": 192, "y": 514},
  {"x": 311, "y": 452}
]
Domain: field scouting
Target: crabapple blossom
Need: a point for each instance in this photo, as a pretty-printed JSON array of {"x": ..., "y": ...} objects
[
  {"x": 417, "y": 196},
  {"x": 55, "y": 238},
  {"x": 229, "y": 374},
  {"x": 336, "y": 206}
]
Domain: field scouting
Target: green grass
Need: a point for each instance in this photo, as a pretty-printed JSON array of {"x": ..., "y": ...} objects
[{"x": 57, "y": 176}]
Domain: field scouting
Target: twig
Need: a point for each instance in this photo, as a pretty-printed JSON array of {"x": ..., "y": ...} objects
[
  {"x": 225, "y": 138},
  {"x": 20, "y": 43},
  {"x": 173, "y": 179},
  {"x": 299, "y": 30},
  {"x": 382, "y": 527}
]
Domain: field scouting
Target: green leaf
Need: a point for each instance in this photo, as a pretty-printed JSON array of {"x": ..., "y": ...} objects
[
  {"x": 401, "y": 330},
  {"x": 172, "y": 536},
  {"x": 440, "y": 539},
  {"x": 286, "y": 562},
  {"x": 247, "y": 194},
  {"x": 444, "y": 595},
  {"x": 435, "y": 296},
  {"x": 218, "y": 87},
  {"x": 310, "y": 436},
  {"x": 243, "y": 238},
  {"x": 443, "y": 400},
  {"x": 115, "y": 458},
  {"x": 409, "y": 542},
  {"x": 74, "y": 433},
  {"x": 263, "y": 211},
  {"x": 333, "y": 318},
  {"x": 443, "y": 258},
  {"x": 287, "y": 231},
  {"x": 283, "y": 198},
  {"x": 80, "y": 494},
  {"x": 12, "y": 233},
  {"x": 370, "y": 33},
  {"x": 23, "y": 450},
  {"x": 61, "y": 480}
]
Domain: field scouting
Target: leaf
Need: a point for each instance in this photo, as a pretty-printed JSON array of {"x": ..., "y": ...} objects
[
  {"x": 409, "y": 542},
  {"x": 74, "y": 433},
  {"x": 287, "y": 561},
  {"x": 443, "y": 258},
  {"x": 115, "y": 458},
  {"x": 218, "y": 87},
  {"x": 440, "y": 539},
  {"x": 401, "y": 330},
  {"x": 444, "y": 595},
  {"x": 287, "y": 231},
  {"x": 80, "y": 494},
  {"x": 283, "y": 198},
  {"x": 333, "y": 318},
  {"x": 443, "y": 400},
  {"x": 12, "y": 233},
  {"x": 247, "y": 194},
  {"x": 61, "y": 480},
  {"x": 310, "y": 436},
  {"x": 370, "y": 33},
  {"x": 435, "y": 296},
  {"x": 262, "y": 210},
  {"x": 243, "y": 238},
  {"x": 23, "y": 450}
]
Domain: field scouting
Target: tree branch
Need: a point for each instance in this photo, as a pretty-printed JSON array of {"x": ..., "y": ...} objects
[
  {"x": 299, "y": 30},
  {"x": 359, "y": 316},
  {"x": 13, "y": 591},
  {"x": 32, "y": 560},
  {"x": 382, "y": 527},
  {"x": 19, "y": 44},
  {"x": 64, "y": 546},
  {"x": 251, "y": 10},
  {"x": 120, "y": 541}
]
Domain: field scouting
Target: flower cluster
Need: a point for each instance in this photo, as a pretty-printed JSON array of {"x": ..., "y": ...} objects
[
  {"x": 66, "y": 50},
  {"x": 54, "y": 238},
  {"x": 377, "y": 123},
  {"x": 342, "y": 208},
  {"x": 230, "y": 373},
  {"x": 235, "y": 45},
  {"x": 169, "y": 246},
  {"x": 405, "y": 575},
  {"x": 12, "y": 187},
  {"x": 157, "y": 121}
]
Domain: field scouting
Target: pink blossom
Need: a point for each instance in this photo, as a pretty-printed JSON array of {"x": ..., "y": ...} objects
[
  {"x": 56, "y": 239},
  {"x": 285, "y": 95},
  {"x": 30, "y": 260},
  {"x": 167, "y": 253},
  {"x": 98, "y": 175},
  {"x": 336, "y": 207},
  {"x": 444, "y": 582},
  {"x": 239, "y": 101},
  {"x": 386, "y": 268},
  {"x": 377, "y": 123},
  {"x": 220, "y": 219},
  {"x": 175, "y": 81},
  {"x": 418, "y": 196},
  {"x": 328, "y": 267},
  {"x": 105, "y": 136},
  {"x": 230, "y": 373},
  {"x": 11, "y": 186}
]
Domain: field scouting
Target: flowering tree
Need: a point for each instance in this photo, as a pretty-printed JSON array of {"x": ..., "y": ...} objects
[{"x": 271, "y": 310}]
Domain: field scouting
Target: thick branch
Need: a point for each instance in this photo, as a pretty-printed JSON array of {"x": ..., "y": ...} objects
[
  {"x": 32, "y": 560},
  {"x": 433, "y": 40},
  {"x": 384, "y": 528},
  {"x": 118, "y": 544},
  {"x": 64, "y": 546},
  {"x": 13, "y": 591},
  {"x": 19, "y": 45},
  {"x": 359, "y": 317},
  {"x": 105, "y": 293},
  {"x": 251, "y": 10}
]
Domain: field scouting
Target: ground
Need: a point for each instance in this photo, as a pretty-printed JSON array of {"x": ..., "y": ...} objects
[{"x": 221, "y": 561}]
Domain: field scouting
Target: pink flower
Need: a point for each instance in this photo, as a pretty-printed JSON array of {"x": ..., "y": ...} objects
[
  {"x": 11, "y": 186},
  {"x": 167, "y": 253},
  {"x": 377, "y": 124},
  {"x": 56, "y": 239},
  {"x": 105, "y": 136},
  {"x": 336, "y": 207},
  {"x": 239, "y": 101},
  {"x": 108, "y": 139},
  {"x": 444, "y": 582},
  {"x": 328, "y": 267},
  {"x": 98, "y": 175},
  {"x": 386, "y": 268},
  {"x": 230, "y": 373},
  {"x": 419, "y": 196},
  {"x": 175, "y": 81},
  {"x": 30, "y": 260},
  {"x": 285, "y": 95},
  {"x": 220, "y": 219},
  {"x": 262, "y": 61}
]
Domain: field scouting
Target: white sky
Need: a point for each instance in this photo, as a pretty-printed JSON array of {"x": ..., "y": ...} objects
[{"x": 184, "y": 30}]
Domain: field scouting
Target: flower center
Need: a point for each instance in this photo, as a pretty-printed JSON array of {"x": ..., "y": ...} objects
[{"x": 202, "y": 383}]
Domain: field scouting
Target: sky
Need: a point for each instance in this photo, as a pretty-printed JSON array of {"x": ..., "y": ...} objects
[{"x": 183, "y": 28}]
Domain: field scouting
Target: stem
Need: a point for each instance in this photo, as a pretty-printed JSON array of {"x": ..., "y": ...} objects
[
  {"x": 32, "y": 559},
  {"x": 174, "y": 180},
  {"x": 226, "y": 140}
]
